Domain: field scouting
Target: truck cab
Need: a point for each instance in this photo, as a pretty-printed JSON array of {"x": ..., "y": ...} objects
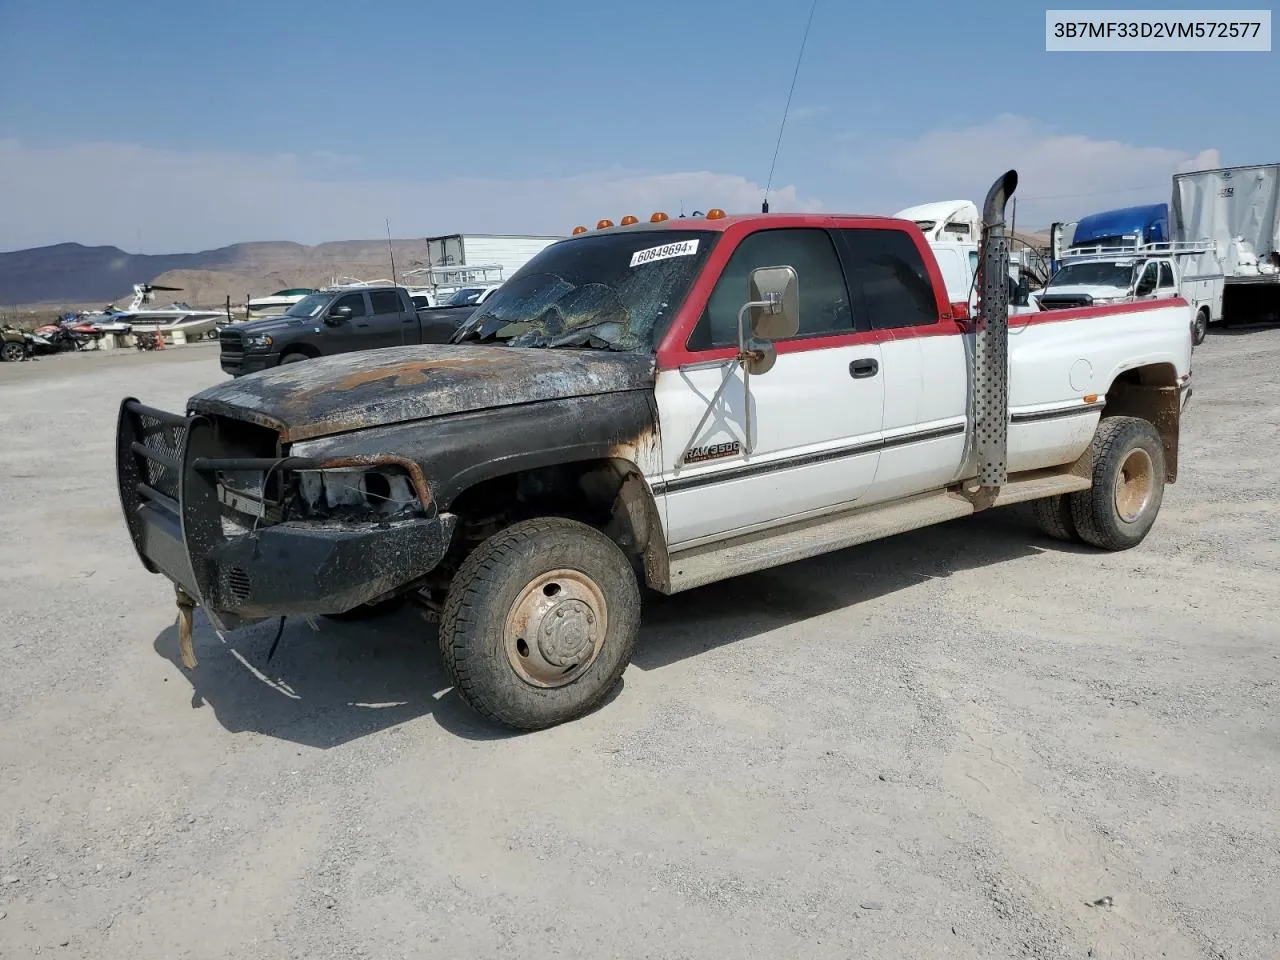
[
  {"x": 1088, "y": 281},
  {"x": 342, "y": 319},
  {"x": 1091, "y": 276},
  {"x": 664, "y": 404}
]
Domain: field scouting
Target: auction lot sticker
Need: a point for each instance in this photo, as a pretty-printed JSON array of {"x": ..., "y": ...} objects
[{"x": 681, "y": 248}]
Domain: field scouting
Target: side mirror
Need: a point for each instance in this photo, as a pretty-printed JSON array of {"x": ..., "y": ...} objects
[
  {"x": 1146, "y": 287},
  {"x": 338, "y": 315},
  {"x": 774, "y": 295},
  {"x": 1022, "y": 292}
]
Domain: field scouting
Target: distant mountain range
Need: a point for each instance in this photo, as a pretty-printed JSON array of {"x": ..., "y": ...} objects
[{"x": 71, "y": 274}]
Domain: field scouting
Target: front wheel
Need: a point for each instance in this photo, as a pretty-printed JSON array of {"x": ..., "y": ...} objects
[
  {"x": 295, "y": 357},
  {"x": 1117, "y": 512},
  {"x": 1200, "y": 327},
  {"x": 12, "y": 351},
  {"x": 540, "y": 623}
]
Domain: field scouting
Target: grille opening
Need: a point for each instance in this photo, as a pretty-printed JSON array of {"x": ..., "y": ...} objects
[
  {"x": 377, "y": 488},
  {"x": 238, "y": 583}
]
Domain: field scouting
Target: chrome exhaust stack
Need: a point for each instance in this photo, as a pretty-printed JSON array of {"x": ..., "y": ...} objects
[{"x": 989, "y": 410}]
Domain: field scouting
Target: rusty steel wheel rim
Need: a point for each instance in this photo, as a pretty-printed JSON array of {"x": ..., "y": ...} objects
[
  {"x": 1134, "y": 485},
  {"x": 556, "y": 627}
]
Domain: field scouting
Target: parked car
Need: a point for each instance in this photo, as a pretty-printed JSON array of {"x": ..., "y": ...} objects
[
  {"x": 340, "y": 320},
  {"x": 669, "y": 404},
  {"x": 14, "y": 344}
]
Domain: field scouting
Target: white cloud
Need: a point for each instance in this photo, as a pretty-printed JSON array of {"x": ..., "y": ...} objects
[
  {"x": 1060, "y": 176},
  {"x": 106, "y": 193}
]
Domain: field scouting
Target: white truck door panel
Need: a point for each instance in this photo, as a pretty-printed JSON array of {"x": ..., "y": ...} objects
[
  {"x": 816, "y": 430},
  {"x": 815, "y": 425},
  {"x": 926, "y": 412}
]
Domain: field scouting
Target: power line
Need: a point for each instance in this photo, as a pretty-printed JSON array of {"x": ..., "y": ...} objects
[{"x": 787, "y": 109}]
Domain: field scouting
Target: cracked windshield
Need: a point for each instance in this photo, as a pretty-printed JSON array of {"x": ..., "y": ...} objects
[{"x": 612, "y": 292}]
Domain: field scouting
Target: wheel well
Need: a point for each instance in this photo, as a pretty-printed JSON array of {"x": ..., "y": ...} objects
[
  {"x": 303, "y": 348},
  {"x": 1152, "y": 394},
  {"x": 609, "y": 494}
]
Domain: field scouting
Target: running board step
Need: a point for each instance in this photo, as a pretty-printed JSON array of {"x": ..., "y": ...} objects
[{"x": 803, "y": 539}]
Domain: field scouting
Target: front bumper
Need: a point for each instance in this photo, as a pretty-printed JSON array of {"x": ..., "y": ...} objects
[
  {"x": 169, "y": 495},
  {"x": 238, "y": 364}
]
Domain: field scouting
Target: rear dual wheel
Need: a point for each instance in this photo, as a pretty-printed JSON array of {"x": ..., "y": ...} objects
[
  {"x": 1119, "y": 509},
  {"x": 540, "y": 623}
]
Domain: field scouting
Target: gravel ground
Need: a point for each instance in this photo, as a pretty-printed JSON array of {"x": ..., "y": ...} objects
[{"x": 955, "y": 743}]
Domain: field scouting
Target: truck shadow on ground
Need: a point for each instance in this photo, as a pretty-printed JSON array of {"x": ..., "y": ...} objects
[{"x": 343, "y": 681}]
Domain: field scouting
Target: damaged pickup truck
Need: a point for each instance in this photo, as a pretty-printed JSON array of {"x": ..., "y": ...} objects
[{"x": 669, "y": 404}]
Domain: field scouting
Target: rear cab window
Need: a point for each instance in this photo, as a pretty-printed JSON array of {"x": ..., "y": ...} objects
[
  {"x": 888, "y": 279},
  {"x": 385, "y": 301}
]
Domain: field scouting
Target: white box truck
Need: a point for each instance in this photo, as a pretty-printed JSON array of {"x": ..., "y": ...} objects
[{"x": 1239, "y": 209}]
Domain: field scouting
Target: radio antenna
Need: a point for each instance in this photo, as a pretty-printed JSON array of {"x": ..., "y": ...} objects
[
  {"x": 764, "y": 207},
  {"x": 391, "y": 253}
]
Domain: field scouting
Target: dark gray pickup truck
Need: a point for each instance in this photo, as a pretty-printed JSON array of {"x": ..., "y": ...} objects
[{"x": 335, "y": 321}]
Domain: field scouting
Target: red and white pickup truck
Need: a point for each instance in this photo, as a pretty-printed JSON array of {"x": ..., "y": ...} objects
[{"x": 668, "y": 403}]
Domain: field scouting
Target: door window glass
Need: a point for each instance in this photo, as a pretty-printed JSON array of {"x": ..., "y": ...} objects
[
  {"x": 824, "y": 300},
  {"x": 353, "y": 300}
]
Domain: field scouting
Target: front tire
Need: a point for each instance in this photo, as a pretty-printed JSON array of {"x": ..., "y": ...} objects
[
  {"x": 1117, "y": 512},
  {"x": 12, "y": 351},
  {"x": 1200, "y": 327},
  {"x": 296, "y": 357},
  {"x": 540, "y": 623}
]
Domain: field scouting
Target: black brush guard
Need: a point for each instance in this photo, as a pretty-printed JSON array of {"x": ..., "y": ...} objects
[{"x": 167, "y": 466}]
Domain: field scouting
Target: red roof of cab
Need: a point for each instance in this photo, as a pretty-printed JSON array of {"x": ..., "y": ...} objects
[{"x": 772, "y": 219}]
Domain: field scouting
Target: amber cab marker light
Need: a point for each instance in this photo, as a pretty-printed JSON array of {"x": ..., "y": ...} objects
[
  {"x": 715, "y": 213},
  {"x": 578, "y": 230},
  {"x": 628, "y": 220},
  {"x": 604, "y": 224},
  {"x": 1091, "y": 398},
  {"x": 658, "y": 217}
]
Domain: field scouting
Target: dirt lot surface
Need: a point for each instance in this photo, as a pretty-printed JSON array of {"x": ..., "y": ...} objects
[{"x": 955, "y": 743}]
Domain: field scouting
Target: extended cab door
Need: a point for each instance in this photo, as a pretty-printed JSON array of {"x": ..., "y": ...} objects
[
  {"x": 923, "y": 361},
  {"x": 816, "y": 415}
]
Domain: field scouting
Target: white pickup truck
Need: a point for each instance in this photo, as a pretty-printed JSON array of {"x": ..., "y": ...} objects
[
  {"x": 1092, "y": 276},
  {"x": 667, "y": 403}
]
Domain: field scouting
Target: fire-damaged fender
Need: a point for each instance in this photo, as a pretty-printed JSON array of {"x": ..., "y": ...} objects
[{"x": 457, "y": 452}]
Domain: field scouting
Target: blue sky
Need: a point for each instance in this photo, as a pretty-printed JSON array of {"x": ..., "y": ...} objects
[{"x": 191, "y": 125}]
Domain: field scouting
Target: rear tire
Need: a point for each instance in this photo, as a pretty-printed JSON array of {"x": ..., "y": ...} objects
[
  {"x": 1200, "y": 327},
  {"x": 1053, "y": 515},
  {"x": 1117, "y": 512},
  {"x": 540, "y": 623}
]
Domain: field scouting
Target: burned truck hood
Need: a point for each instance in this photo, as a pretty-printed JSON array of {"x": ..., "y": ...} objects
[{"x": 353, "y": 391}]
